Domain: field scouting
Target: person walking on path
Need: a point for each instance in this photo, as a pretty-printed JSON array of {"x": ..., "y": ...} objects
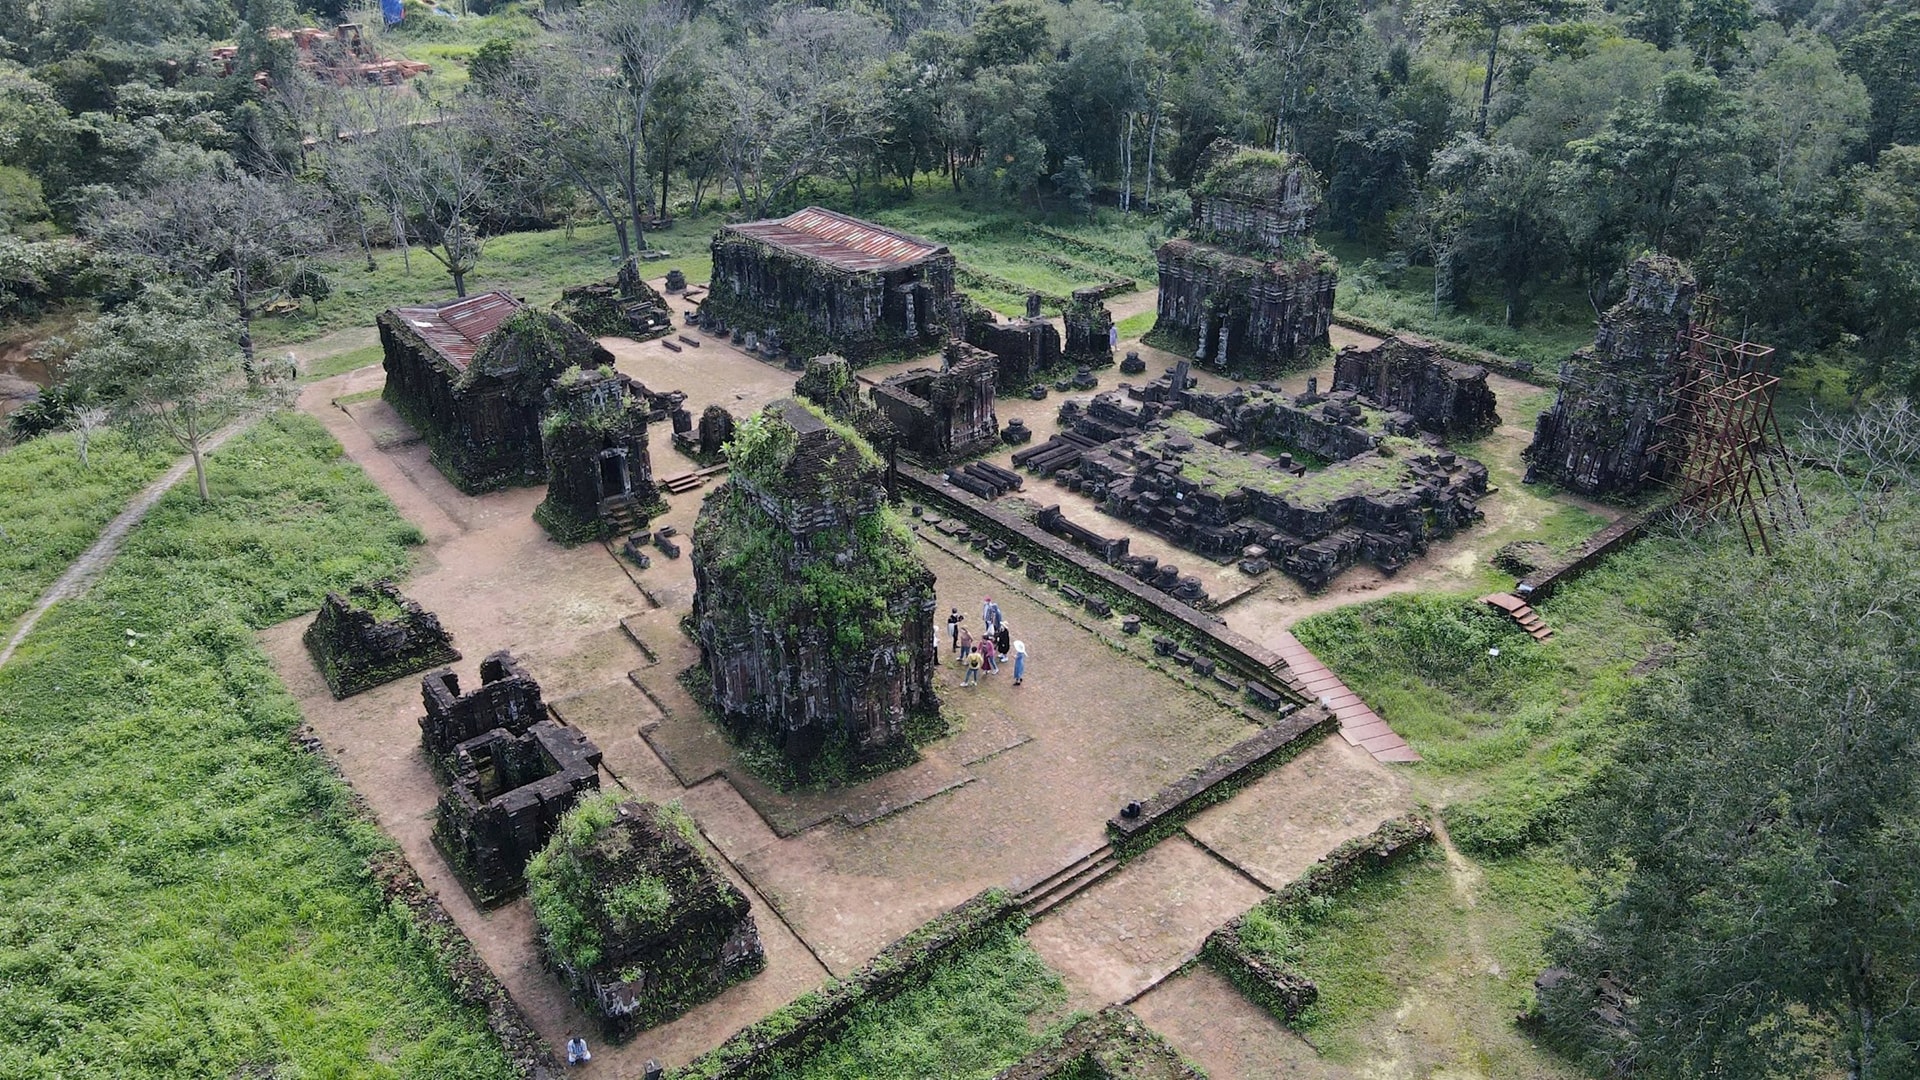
[
  {"x": 990, "y": 615},
  {"x": 973, "y": 663},
  {"x": 1003, "y": 641},
  {"x": 988, "y": 654},
  {"x": 1019, "y": 661},
  {"x": 953, "y": 628},
  {"x": 964, "y": 644}
]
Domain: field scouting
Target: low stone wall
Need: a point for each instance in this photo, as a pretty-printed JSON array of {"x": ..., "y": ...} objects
[
  {"x": 767, "y": 1048},
  {"x": 1218, "y": 778},
  {"x": 1111, "y": 1045},
  {"x": 1523, "y": 370},
  {"x": 1280, "y": 990},
  {"x": 1242, "y": 654},
  {"x": 1541, "y": 583}
]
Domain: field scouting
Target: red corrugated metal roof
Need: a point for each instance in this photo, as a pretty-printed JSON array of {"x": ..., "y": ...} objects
[
  {"x": 841, "y": 241},
  {"x": 455, "y": 328}
]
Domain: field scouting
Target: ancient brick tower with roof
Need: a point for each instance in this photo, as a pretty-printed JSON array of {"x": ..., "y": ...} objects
[{"x": 817, "y": 282}]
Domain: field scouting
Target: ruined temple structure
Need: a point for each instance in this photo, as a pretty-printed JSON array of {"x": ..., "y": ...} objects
[
  {"x": 817, "y": 281},
  {"x": 625, "y": 307},
  {"x": 371, "y": 634},
  {"x": 1407, "y": 374},
  {"x": 645, "y": 925},
  {"x": 1185, "y": 465},
  {"x": 814, "y": 613},
  {"x": 1249, "y": 291},
  {"x": 505, "y": 795},
  {"x": 599, "y": 473},
  {"x": 507, "y": 697},
  {"x": 1599, "y": 437},
  {"x": 1090, "y": 331},
  {"x": 946, "y": 415},
  {"x": 830, "y": 384},
  {"x": 1028, "y": 348},
  {"x": 471, "y": 375}
]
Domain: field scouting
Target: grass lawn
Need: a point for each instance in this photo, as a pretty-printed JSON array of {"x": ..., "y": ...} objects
[
  {"x": 975, "y": 1015},
  {"x": 182, "y": 890},
  {"x": 54, "y": 509}
]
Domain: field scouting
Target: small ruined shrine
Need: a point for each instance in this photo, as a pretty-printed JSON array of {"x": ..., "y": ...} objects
[
  {"x": 371, "y": 634},
  {"x": 1248, "y": 291},
  {"x": 635, "y": 917},
  {"x": 594, "y": 437},
  {"x": 947, "y": 414},
  {"x": 817, "y": 281},
  {"x": 814, "y": 612},
  {"x": 1407, "y": 374},
  {"x": 1601, "y": 435},
  {"x": 471, "y": 375}
]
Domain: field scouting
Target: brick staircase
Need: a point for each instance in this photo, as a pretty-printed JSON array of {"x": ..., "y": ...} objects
[{"x": 1521, "y": 612}]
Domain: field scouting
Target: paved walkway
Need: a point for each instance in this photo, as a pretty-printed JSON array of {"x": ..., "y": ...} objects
[{"x": 1359, "y": 725}]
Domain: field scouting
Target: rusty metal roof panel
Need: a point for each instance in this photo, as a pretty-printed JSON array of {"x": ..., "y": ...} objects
[
  {"x": 842, "y": 241},
  {"x": 455, "y": 328}
]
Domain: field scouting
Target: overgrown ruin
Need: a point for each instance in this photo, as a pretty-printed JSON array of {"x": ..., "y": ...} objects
[
  {"x": 1407, "y": 374},
  {"x": 813, "y": 611},
  {"x": 1600, "y": 437},
  {"x": 507, "y": 697},
  {"x": 505, "y": 795},
  {"x": 625, "y": 307},
  {"x": 599, "y": 471},
  {"x": 947, "y": 414},
  {"x": 371, "y": 634},
  {"x": 635, "y": 917},
  {"x": 1249, "y": 291},
  {"x": 818, "y": 281}
]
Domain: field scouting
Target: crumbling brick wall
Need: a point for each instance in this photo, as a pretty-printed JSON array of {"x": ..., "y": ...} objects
[
  {"x": 372, "y": 635},
  {"x": 1089, "y": 329},
  {"x": 505, "y": 796},
  {"x": 507, "y": 697},
  {"x": 1407, "y": 373},
  {"x": 1600, "y": 435},
  {"x": 945, "y": 415}
]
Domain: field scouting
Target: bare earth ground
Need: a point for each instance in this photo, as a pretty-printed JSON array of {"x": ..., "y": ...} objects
[{"x": 1022, "y": 787}]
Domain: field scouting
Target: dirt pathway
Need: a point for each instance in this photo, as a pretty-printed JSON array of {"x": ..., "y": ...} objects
[{"x": 95, "y": 559}]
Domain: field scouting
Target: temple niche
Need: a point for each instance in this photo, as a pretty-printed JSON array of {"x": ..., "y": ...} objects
[
  {"x": 1249, "y": 292},
  {"x": 1599, "y": 437},
  {"x": 817, "y": 281},
  {"x": 371, "y": 634},
  {"x": 814, "y": 613},
  {"x": 636, "y": 917},
  {"x": 1407, "y": 374},
  {"x": 471, "y": 375},
  {"x": 594, "y": 435},
  {"x": 946, "y": 415}
]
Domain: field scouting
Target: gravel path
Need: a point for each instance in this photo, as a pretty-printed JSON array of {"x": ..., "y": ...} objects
[{"x": 95, "y": 559}]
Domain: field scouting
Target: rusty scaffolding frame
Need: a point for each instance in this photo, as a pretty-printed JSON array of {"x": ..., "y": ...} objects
[{"x": 1717, "y": 444}]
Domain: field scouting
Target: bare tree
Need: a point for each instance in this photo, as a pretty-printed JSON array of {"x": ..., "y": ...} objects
[
  {"x": 1874, "y": 451},
  {"x": 87, "y": 421},
  {"x": 249, "y": 235},
  {"x": 583, "y": 113},
  {"x": 433, "y": 174}
]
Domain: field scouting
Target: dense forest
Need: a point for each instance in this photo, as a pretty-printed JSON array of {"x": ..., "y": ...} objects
[{"x": 1513, "y": 146}]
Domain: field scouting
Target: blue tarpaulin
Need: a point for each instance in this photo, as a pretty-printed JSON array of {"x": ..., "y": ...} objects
[{"x": 392, "y": 11}]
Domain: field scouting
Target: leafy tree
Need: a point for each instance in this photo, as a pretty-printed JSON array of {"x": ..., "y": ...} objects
[
  {"x": 1010, "y": 32},
  {"x": 166, "y": 367},
  {"x": 1306, "y": 46},
  {"x": 1886, "y": 57},
  {"x": 1807, "y": 112},
  {"x": 1486, "y": 212},
  {"x": 1484, "y": 21},
  {"x": 1072, "y": 182},
  {"x": 1886, "y": 233},
  {"x": 1755, "y": 847},
  {"x": 1570, "y": 98}
]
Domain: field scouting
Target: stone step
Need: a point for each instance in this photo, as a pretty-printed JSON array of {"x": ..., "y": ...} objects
[{"x": 1068, "y": 881}]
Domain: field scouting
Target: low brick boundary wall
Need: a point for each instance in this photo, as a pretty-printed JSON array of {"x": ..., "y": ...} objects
[
  {"x": 1541, "y": 583},
  {"x": 1278, "y": 989},
  {"x": 1217, "y": 779},
  {"x": 764, "y": 1049},
  {"x": 1244, "y": 655}
]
